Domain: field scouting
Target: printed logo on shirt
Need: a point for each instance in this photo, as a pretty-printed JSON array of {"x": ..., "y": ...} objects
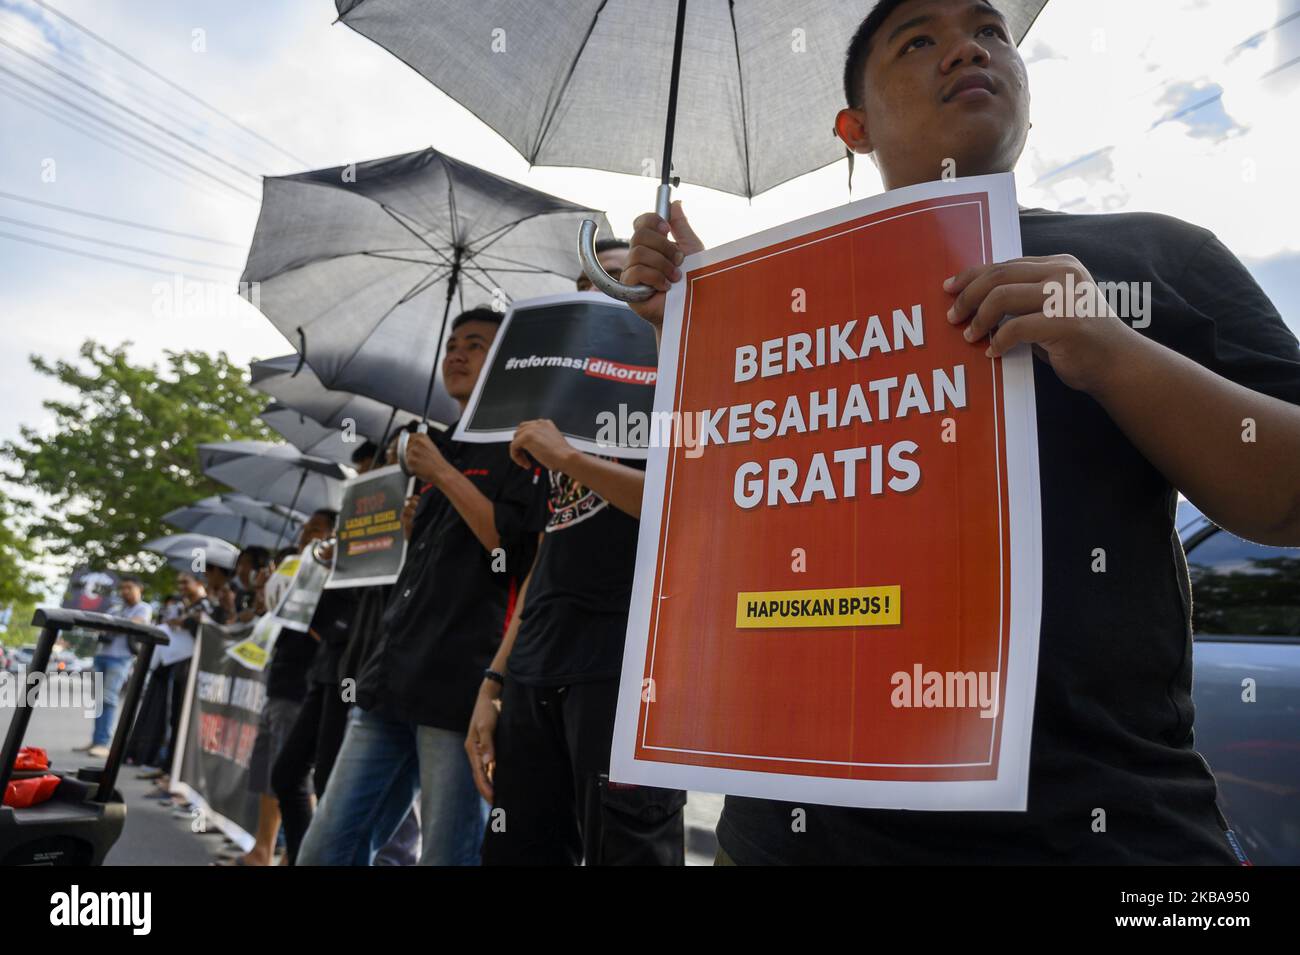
[
  {"x": 476, "y": 472},
  {"x": 571, "y": 503}
]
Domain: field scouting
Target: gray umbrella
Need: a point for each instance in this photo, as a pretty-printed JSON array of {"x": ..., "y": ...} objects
[
  {"x": 293, "y": 384},
  {"x": 276, "y": 473},
  {"x": 311, "y": 437},
  {"x": 181, "y": 550},
  {"x": 584, "y": 82},
  {"x": 236, "y": 518},
  {"x": 360, "y": 265}
]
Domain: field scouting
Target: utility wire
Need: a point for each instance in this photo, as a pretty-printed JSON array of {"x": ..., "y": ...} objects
[
  {"x": 130, "y": 112},
  {"x": 128, "y": 149},
  {"x": 126, "y": 222},
  {"x": 180, "y": 159},
  {"x": 117, "y": 245},
  {"x": 176, "y": 86},
  {"x": 105, "y": 258}
]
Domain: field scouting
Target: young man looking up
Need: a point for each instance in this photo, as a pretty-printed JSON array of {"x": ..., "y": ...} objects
[
  {"x": 469, "y": 546},
  {"x": 1202, "y": 399}
]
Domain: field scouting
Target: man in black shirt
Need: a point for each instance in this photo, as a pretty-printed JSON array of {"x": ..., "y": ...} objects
[
  {"x": 286, "y": 687},
  {"x": 1197, "y": 395},
  {"x": 544, "y": 763},
  {"x": 470, "y": 543}
]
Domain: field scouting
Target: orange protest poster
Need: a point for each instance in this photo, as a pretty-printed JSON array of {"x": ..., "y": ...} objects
[{"x": 839, "y": 569}]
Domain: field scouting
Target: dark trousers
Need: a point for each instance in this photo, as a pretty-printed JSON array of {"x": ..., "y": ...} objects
[
  {"x": 552, "y": 781},
  {"x": 158, "y": 725},
  {"x": 313, "y": 742}
]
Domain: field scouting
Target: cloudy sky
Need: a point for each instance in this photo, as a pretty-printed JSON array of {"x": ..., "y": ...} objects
[{"x": 1185, "y": 107}]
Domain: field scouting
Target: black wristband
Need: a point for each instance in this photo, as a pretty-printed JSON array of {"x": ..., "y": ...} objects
[{"x": 494, "y": 676}]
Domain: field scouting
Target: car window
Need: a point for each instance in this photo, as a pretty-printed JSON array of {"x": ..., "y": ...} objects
[{"x": 1244, "y": 589}]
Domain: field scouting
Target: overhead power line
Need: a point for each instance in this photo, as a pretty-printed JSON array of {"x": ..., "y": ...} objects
[
  {"x": 118, "y": 245},
  {"x": 116, "y": 221},
  {"x": 121, "y": 144},
  {"x": 106, "y": 258},
  {"x": 126, "y": 132},
  {"x": 197, "y": 147},
  {"x": 176, "y": 86}
]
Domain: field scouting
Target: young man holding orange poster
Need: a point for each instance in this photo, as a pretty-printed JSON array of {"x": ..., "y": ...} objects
[{"x": 1191, "y": 386}]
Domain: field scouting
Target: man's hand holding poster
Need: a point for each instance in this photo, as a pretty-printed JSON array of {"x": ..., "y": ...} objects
[
  {"x": 298, "y": 605},
  {"x": 370, "y": 546},
  {"x": 582, "y": 360},
  {"x": 864, "y": 483}
]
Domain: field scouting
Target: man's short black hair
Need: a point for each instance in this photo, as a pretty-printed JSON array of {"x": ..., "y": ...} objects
[
  {"x": 326, "y": 513},
  {"x": 257, "y": 555},
  {"x": 364, "y": 453},
  {"x": 609, "y": 245},
  {"x": 480, "y": 314},
  {"x": 855, "y": 60},
  {"x": 130, "y": 579}
]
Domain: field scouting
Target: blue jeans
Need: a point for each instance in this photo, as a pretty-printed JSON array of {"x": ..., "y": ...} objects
[
  {"x": 114, "y": 670},
  {"x": 381, "y": 766}
]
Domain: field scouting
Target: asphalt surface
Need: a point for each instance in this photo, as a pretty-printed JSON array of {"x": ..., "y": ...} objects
[{"x": 156, "y": 834}]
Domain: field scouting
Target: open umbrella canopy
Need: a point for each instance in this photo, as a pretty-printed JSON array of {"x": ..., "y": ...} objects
[
  {"x": 184, "y": 550},
  {"x": 586, "y": 82},
  {"x": 360, "y": 264},
  {"x": 293, "y": 384},
  {"x": 237, "y": 518},
  {"x": 276, "y": 473},
  {"x": 309, "y": 436}
]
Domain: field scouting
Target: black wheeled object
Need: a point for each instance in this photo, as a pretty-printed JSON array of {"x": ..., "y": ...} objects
[{"x": 82, "y": 820}]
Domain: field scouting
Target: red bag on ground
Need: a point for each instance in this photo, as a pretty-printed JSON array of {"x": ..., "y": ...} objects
[
  {"x": 25, "y": 793},
  {"x": 32, "y": 757}
]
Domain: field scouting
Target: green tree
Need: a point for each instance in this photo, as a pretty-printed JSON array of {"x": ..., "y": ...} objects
[
  {"x": 20, "y": 584},
  {"x": 124, "y": 450}
]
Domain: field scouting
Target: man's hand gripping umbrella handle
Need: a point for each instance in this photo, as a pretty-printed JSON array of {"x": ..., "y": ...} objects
[{"x": 591, "y": 265}]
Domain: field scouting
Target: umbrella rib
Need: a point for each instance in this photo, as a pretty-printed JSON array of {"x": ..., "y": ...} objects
[
  {"x": 399, "y": 258},
  {"x": 740, "y": 84},
  {"x": 392, "y": 214},
  {"x": 419, "y": 287},
  {"x": 568, "y": 76},
  {"x": 410, "y": 293},
  {"x": 525, "y": 267}
]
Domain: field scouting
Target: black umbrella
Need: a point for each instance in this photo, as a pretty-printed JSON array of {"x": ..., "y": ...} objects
[
  {"x": 310, "y": 436},
  {"x": 360, "y": 264},
  {"x": 760, "y": 79},
  {"x": 292, "y": 383},
  {"x": 276, "y": 473}
]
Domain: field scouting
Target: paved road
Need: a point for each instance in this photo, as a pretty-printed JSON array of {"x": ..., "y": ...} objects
[{"x": 156, "y": 835}]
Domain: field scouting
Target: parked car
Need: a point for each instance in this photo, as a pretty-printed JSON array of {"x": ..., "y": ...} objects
[
  {"x": 1246, "y": 683},
  {"x": 19, "y": 658},
  {"x": 63, "y": 661}
]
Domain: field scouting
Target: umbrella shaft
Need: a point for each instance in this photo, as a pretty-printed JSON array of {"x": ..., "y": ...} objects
[
  {"x": 292, "y": 504},
  {"x": 442, "y": 334},
  {"x": 671, "y": 123}
]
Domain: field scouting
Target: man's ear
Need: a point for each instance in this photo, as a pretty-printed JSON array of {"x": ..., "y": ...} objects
[{"x": 851, "y": 127}]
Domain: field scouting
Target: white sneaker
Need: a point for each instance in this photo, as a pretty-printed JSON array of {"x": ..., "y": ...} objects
[
  {"x": 83, "y": 749},
  {"x": 97, "y": 752}
]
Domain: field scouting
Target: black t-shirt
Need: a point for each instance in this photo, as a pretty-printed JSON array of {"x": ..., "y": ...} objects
[
  {"x": 575, "y": 614},
  {"x": 449, "y": 606},
  {"x": 291, "y": 658},
  {"x": 1113, "y": 711},
  {"x": 332, "y": 623}
]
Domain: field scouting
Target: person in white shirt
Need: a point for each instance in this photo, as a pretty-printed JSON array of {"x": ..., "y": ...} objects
[{"x": 113, "y": 663}]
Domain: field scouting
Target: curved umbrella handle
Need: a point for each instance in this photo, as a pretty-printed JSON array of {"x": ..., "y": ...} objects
[
  {"x": 401, "y": 447},
  {"x": 591, "y": 264}
]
